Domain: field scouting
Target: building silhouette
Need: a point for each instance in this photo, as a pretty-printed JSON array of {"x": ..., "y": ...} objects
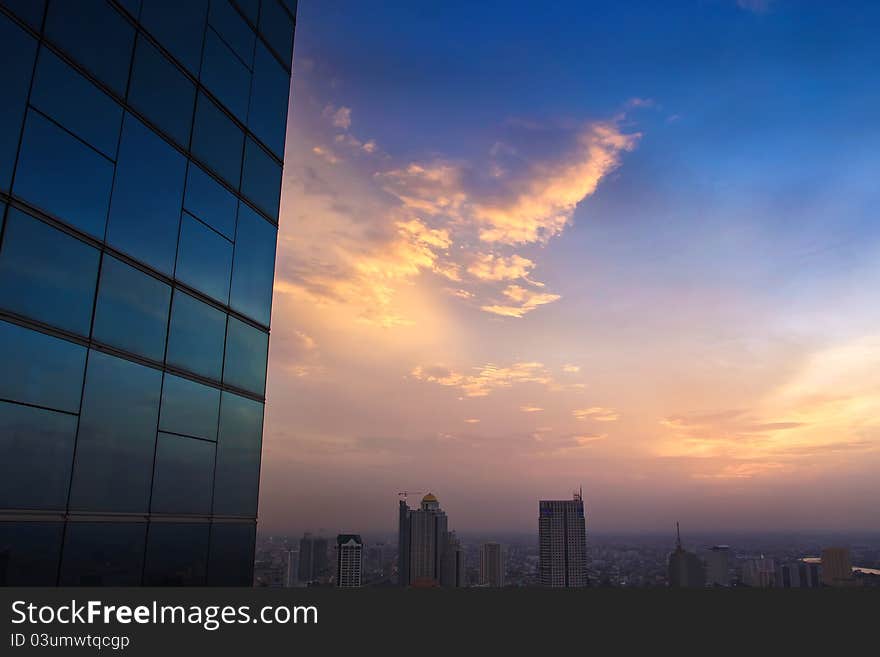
[
  {"x": 141, "y": 151},
  {"x": 349, "y": 561},
  {"x": 491, "y": 565},
  {"x": 313, "y": 564},
  {"x": 718, "y": 566},
  {"x": 429, "y": 554},
  {"x": 685, "y": 570},
  {"x": 562, "y": 539},
  {"x": 836, "y": 567},
  {"x": 759, "y": 573}
]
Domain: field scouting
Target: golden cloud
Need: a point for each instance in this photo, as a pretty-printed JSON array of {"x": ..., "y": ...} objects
[
  {"x": 597, "y": 413},
  {"x": 524, "y": 301}
]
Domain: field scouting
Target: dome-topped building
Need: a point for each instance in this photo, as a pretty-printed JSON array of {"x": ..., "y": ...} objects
[{"x": 430, "y": 501}]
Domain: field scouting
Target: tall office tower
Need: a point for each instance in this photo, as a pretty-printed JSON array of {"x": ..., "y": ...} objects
[
  {"x": 797, "y": 575},
  {"x": 349, "y": 561},
  {"x": 313, "y": 564},
  {"x": 718, "y": 566},
  {"x": 452, "y": 567},
  {"x": 491, "y": 565},
  {"x": 836, "y": 567},
  {"x": 684, "y": 569},
  {"x": 562, "y": 538},
  {"x": 291, "y": 572},
  {"x": 141, "y": 147},
  {"x": 422, "y": 540},
  {"x": 759, "y": 573}
]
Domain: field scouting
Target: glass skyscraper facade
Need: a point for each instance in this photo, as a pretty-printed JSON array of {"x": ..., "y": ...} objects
[{"x": 141, "y": 146}]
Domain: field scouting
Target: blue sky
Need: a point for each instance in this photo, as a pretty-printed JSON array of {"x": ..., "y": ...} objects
[{"x": 631, "y": 245}]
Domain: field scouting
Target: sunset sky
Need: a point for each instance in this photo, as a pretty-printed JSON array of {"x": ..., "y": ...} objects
[{"x": 627, "y": 246}]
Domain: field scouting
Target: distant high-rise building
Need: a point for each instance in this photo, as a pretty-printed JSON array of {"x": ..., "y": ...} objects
[
  {"x": 685, "y": 570},
  {"x": 491, "y": 565},
  {"x": 349, "y": 561},
  {"x": 313, "y": 565},
  {"x": 452, "y": 570},
  {"x": 836, "y": 567},
  {"x": 759, "y": 573},
  {"x": 292, "y": 568},
  {"x": 718, "y": 566},
  {"x": 800, "y": 574},
  {"x": 423, "y": 539},
  {"x": 141, "y": 155},
  {"x": 562, "y": 538}
]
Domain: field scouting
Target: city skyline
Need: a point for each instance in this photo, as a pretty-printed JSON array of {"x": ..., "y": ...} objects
[{"x": 529, "y": 250}]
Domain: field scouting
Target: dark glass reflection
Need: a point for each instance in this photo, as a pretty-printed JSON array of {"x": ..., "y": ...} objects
[
  {"x": 231, "y": 558},
  {"x": 29, "y": 553},
  {"x": 103, "y": 554},
  {"x": 233, "y": 29},
  {"x": 40, "y": 369},
  {"x": 225, "y": 75},
  {"x": 189, "y": 408},
  {"x": 217, "y": 141},
  {"x": 179, "y": 27},
  {"x": 197, "y": 334},
  {"x": 183, "y": 476},
  {"x": 237, "y": 476},
  {"x": 117, "y": 436},
  {"x": 147, "y": 197},
  {"x": 46, "y": 274},
  {"x": 177, "y": 554},
  {"x": 162, "y": 92},
  {"x": 261, "y": 179},
  {"x": 30, "y": 11},
  {"x": 277, "y": 28},
  {"x": 40, "y": 445},
  {"x": 208, "y": 200},
  {"x": 253, "y": 269},
  {"x": 17, "y": 50},
  {"x": 96, "y": 36},
  {"x": 246, "y": 352},
  {"x": 61, "y": 175},
  {"x": 204, "y": 259},
  {"x": 77, "y": 104},
  {"x": 132, "y": 310},
  {"x": 267, "y": 117}
]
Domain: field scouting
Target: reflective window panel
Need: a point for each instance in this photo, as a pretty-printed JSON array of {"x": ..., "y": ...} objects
[
  {"x": 179, "y": 27},
  {"x": 276, "y": 26},
  {"x": 267, "y": 117},
  {"x": 17, "y": 51},
  {"x": 231, "y": 557},
  {"x": 162, "y": 92},
  {"x": 237, "y": 477},
  {"x": 246, "y": 351},
  {"x": 147, "y": 197},
  {"x": 204, "y": 259},
  {"x": 224, "y": 74},
  {"x": 261, "y": 179},
  {"x": 63, "y": 176},
  {"x": 42, "y": 370},
  {"x": 117, "y": 436},
  {"x": 103, "y": 554},
  {"x": 47, "y": 275},
  {"x": 177, "y": 554},
  {"x": 29, "y": 553},
  {"x": 208, "y": 200},
  {"x": 30, "y": 11},
  {"x": 195, "y": 342},
  {"x": 253, "y": 269},
  {"x": 36, "y": 450},
  {"x": 96, "y": 36},
  {"x": 217, "y": 141},
  {"x": 132, "y": 310},
  {"x": 189, "y": 408},
  {"x": 77, "y": 104},
  {"x": 184, "y": 475},
  {"x": 233, "y": 29}
]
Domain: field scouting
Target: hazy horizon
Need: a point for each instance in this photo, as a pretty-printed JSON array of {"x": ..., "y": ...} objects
[{"x": 613, "y": 245}]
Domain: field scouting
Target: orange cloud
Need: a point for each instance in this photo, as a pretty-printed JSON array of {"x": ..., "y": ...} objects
[
  {"x": 524, "y": 302},
  {"x": 597, "y": 413}
]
